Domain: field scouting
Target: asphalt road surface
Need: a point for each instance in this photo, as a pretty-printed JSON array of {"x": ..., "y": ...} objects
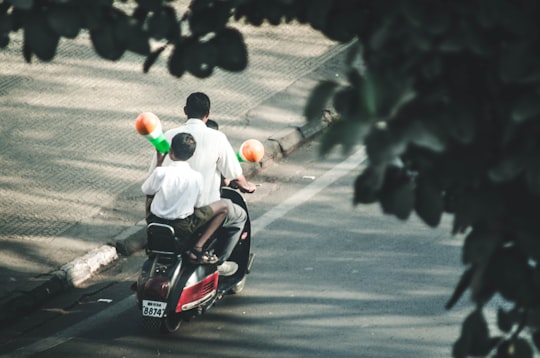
[{"x": 329, "y": 280}]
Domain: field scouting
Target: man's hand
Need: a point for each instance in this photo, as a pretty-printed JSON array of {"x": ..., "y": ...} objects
[
  {"x": 243, "y": 185},
  {"x": 250, "y": 188}
]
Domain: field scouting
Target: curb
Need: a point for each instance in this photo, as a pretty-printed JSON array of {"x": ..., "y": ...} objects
[{"x": 133, "y": 239}]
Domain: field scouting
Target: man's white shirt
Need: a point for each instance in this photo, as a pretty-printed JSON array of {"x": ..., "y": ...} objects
[{"x": 213, "y": 157}]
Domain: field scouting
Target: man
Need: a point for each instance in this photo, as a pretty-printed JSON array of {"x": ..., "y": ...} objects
[{"x": 214, "y": 158}]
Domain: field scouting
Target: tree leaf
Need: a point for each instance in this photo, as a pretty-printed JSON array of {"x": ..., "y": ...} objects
[
  {"x": 317, "y": 12},
  {"x": 92, "y": 17},
  {"x": 26, "y": 49},
  {"x": 460, "y": 124},
  {"x": 341, "y": 132},
  {"x": 397, "y": 193},
  {"x": 318, "y": 99},
  {"x": 40, "y": 37},
  {"x": 508, "y": 168},
  {"x": 513, "y": 18},
  {"x": 367, "y": 184},
  {"x": 232, "y": 51},
  {"x": 158, "y": 24},
  {"x": 65, "y": 21},
  {"x": 526, "y": 236},
  {"x": 346, "y": 101},
  {"x": 369, "y": 93},
  {"x": 415, "y": 12},
  {"x": 152, "y": 5},
  {"x": 6, "y": 23},
  {"x": 429, "y": 202},
  {"x": 527, "y": 107},
  {"x": 382, "y": 35},
  {"x": 488, "y": 13},
  {"x": 438, "y": 20},
  {"x": 202, "y": 59},
  {"x": 210, "y": 19},
  {"x": 522, "y": 348},
  {"x": 515, "y": 347},
  {"x": 138, "y": 40},
  {"x": 536, "y": 339},
  {"x": 461, "y": 287},
  {"x": 105, "y": 43},
  {"x": 532, "y": 173},
  {"x": 452, "y": 43},
  {"x": 383, "y": 145},
  {"x": 152, "y": 57},
  {"x": 475, "y": 39},
  {"x": 421, "y": 136},
  {"x": 341, "y": 25},
  {"x": 476, "y": 206},
  {"x": 4, "y": 40},
  {"x": 475, "y": 335},
  {"x": 176, "y": 63},
  {"x": 483, "y": 286},
  {"x": 420, "y": 40},
  {"x": 23, "y": 4},
  {"x": 514, "y": 62},
  {"x": 479, "y": 244},
  {"x": 513, "y": 276},
  {"x": 460, "y": 348},
  {"x": 506, "y": 320}
]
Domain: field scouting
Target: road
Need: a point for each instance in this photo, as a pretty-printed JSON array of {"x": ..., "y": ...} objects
[{"x": 329, "y": 280}]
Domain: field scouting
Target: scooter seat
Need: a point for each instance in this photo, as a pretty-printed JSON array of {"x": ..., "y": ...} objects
[{"x": 161, "y": 239}]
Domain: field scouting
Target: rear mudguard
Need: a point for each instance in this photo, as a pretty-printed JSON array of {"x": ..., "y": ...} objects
[{"x": 204, "y": 278}]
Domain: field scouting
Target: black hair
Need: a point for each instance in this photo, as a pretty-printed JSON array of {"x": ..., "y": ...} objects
[
  {"x": 197, "y": 105},
  {"x": 183, "y": 146}
]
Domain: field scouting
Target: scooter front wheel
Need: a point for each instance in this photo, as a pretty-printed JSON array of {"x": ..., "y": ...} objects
[{"x": 239, "y": 287}]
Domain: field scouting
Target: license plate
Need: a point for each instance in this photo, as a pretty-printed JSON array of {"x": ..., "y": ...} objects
[{"x": 153, "y": 308}]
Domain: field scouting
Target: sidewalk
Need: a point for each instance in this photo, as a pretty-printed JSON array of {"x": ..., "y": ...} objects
[{"x": 72, "y": 164}]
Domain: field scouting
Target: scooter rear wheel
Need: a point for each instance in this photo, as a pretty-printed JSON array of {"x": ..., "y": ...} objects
[{"x": 170, "y": 324}]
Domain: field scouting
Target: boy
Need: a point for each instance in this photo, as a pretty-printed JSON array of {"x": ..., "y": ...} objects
[{"x": 177, "y": 191}]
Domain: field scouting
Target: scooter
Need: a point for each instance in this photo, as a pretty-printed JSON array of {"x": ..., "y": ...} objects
[{"x": 170, "y": 289}]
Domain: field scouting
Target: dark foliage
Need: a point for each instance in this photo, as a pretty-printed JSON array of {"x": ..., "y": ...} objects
[{"x": 448, "y": 107}]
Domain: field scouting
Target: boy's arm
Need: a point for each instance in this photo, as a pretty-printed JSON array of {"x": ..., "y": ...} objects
[
  {"x": 157, "y": 161},
  {"x": 160, "y": 157},
  {"x": 147, "y": 205},
  {"x": 151, "y": 184},
  {"x": 147, "y": 189}
]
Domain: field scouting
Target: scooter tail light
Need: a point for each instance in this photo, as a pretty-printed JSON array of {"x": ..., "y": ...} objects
[
  {"x": 198, "y": 293},
  {"x": 156, "y": 288}
]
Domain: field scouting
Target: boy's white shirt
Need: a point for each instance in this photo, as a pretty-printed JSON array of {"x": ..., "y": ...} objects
[{"x": 178, "y": 189}]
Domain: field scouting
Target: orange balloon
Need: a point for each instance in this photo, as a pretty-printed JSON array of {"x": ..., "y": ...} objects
[
  {"x": 252, "y": 150},
  {"x": 146, "y": 122}
]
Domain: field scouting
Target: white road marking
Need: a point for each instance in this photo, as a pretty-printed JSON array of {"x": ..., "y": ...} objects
[
  {"x": 328, "y": 178},
  {"x": 75, "y": 330},
  {"x": 257, "y": 225}
]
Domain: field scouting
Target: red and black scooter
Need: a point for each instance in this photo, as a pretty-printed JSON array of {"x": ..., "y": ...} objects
[{"x": 170, "y": 289}]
